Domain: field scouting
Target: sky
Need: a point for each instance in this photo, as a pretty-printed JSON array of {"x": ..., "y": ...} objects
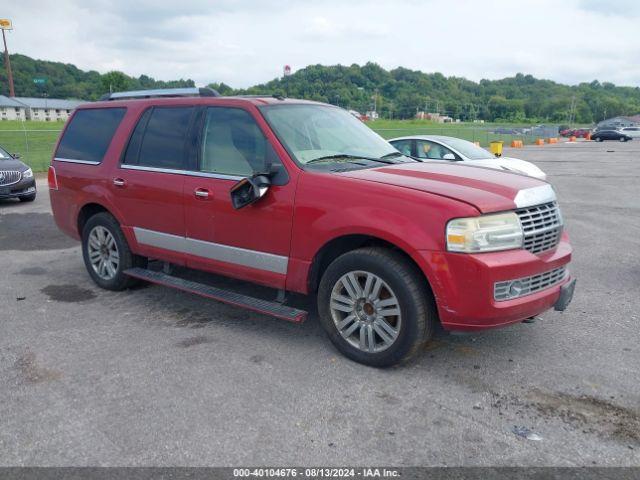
[{"x": 246, "y": 42}]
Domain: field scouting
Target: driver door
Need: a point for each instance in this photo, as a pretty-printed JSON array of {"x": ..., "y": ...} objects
[{"x": 251, "y": 243}]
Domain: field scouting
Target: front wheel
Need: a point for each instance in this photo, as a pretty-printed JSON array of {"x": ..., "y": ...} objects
[
  {"x": 376, "y": 307},
  {"x": 107, "y": 254},
  {"x": 622, "y": 139},
  {"x": 598, "y": 139}
]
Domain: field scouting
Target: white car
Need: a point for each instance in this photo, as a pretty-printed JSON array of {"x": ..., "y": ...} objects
[
  {"x": 436, "y": 147},
  {"x": 633, "y": 132}
]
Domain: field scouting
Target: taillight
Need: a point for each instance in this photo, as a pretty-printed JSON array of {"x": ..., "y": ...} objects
[{"x": 52, "y": 179}]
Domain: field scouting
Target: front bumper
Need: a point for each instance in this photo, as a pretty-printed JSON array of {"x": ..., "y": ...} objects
[
  {"x": 463, "y": 285},
  {"x": 24, "y": 188}
]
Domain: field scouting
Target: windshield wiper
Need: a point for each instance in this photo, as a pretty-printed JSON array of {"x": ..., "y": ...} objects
[
  {"x": 399, "y": 154},
  {"x": 346, "y": 157},
  {"x": 392, "y": 154}
]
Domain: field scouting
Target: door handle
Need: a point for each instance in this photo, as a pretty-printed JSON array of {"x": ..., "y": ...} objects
[
  {"x": 202, "y": 193},
  {"x": 118, "y": 182}
]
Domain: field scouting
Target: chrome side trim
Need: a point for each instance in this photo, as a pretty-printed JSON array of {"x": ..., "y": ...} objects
[
  {"x": 213, "y": 251},
  {"x": 535, "y": 196},
  {"x": 73, "y": 160},
  {"x": 189, "y": 173}
]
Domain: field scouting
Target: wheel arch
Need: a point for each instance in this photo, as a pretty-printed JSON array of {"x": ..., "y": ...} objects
[
  {"x": 87, "y": 211},
  {"x": 346, "y": 243}
]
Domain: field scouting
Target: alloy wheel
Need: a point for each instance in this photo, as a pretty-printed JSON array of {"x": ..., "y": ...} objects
[
  {"x": 366, "y": 311},
  {"x": 103, "y": 252}
]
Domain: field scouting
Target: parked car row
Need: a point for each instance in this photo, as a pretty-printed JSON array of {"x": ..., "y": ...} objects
[{"x": 575, "y": 132}]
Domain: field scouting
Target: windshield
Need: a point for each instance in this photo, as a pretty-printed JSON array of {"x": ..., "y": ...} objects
[
  {"x": 4, "y": 154},
  {"x": 322, "y": 132},
  {"x": 468, "y": 149}
]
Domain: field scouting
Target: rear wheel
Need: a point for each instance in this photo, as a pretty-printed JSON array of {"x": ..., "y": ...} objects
[
  {"x": 107, "y": 254},
  {"x": 376, "y": 307}
]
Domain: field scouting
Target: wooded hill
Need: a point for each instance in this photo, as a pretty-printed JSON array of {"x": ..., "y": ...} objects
[{"x": 398, "y": 93}]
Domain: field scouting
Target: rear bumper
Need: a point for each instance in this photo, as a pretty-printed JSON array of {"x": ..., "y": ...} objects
[
  {"x": 463, "y": 285},
  {"x": 24, "y": 188}
]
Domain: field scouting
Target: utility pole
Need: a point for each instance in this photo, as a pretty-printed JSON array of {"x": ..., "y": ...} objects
[
  {"x": 572, "y": 111},
  {"x": 6, "y": 25},
  {"x": 375, "y": 100}
]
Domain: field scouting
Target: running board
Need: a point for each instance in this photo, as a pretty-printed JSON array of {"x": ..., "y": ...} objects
[{"x": 266, "y": 307}]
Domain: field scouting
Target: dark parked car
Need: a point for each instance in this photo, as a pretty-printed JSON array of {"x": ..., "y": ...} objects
[
  {"x": 601, "y": 135},
  {"x": 16, "y": 179}
]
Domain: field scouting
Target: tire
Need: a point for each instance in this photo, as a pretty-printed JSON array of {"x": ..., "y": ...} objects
[
  {"x": 622, "y": 139},
  {"x": 103, "y": 225},
  {"x": 28, "y": 198},
  {"x": 403, "y": 289},
  {"x": 598, "y": 139}
]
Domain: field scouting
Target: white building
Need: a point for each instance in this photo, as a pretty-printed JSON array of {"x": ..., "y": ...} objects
[
  {"x": 47, "y": 109},
  {"x": 10, "y": 109}
]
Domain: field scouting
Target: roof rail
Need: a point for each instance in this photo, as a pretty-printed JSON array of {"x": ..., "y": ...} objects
[{"x": 162, "y": 92}]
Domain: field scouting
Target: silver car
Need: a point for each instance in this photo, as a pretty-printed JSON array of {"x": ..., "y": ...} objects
[
  {"x": 633, "y": 132},
  {"x": 437, "y": 147}
]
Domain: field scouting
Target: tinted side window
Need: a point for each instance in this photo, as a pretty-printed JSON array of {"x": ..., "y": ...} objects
[
  {"x": 133, "y": 149},
  {"x": 232, "y": 143},
  {"x": 89, "y": 134},
  {"x": 162, "y": 144}
]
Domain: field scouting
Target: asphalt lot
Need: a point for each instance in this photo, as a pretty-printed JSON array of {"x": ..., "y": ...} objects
[{"x": 153, "y": 376}]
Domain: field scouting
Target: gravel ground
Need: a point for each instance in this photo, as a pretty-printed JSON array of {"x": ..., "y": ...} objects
[{"x": 152, "y": 376}]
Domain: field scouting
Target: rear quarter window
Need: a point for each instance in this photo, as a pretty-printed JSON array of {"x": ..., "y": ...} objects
[{"x": 89, "y": 134}]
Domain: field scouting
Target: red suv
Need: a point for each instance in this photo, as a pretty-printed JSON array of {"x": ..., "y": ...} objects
[{"x": 303, "y": 197}]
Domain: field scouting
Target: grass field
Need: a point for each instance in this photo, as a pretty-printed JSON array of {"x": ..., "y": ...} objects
[{"x": 35, "y": 140}]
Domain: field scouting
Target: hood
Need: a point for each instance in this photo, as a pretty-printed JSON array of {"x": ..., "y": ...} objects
[
  {"x": 12, "y": 164},
  {"x": 486, "y": 189},
  {"x": 517, "y": 165}
]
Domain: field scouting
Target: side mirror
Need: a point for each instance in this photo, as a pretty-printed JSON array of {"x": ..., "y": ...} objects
[
  {"x": 249, "y": 190},
  {"x": 449, "y": 156},
  {"x": 16, "y": 155}
]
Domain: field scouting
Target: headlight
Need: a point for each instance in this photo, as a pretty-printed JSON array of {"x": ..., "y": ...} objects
[
  {"x": 28, "y": 173},
  {"x": 486, "y": 233}
]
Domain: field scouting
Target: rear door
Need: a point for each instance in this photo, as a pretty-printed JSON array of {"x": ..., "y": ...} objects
[
  {"x": 148, "y": 186},
  {"x": 251, "y": 243}
]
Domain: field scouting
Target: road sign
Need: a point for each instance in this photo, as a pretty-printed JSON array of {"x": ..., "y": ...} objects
[
  {"x": 5, "y": 24},
  {"x": 39, "y": 81}
]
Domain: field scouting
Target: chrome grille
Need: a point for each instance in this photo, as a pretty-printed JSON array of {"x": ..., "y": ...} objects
[
  {"x": 520, "y": 287},
  {"x": 542, "y": 226},
  {"x": 9, "y": 177}
]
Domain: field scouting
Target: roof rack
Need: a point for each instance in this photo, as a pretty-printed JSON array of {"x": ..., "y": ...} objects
[{"x": 162, "y": 92}]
